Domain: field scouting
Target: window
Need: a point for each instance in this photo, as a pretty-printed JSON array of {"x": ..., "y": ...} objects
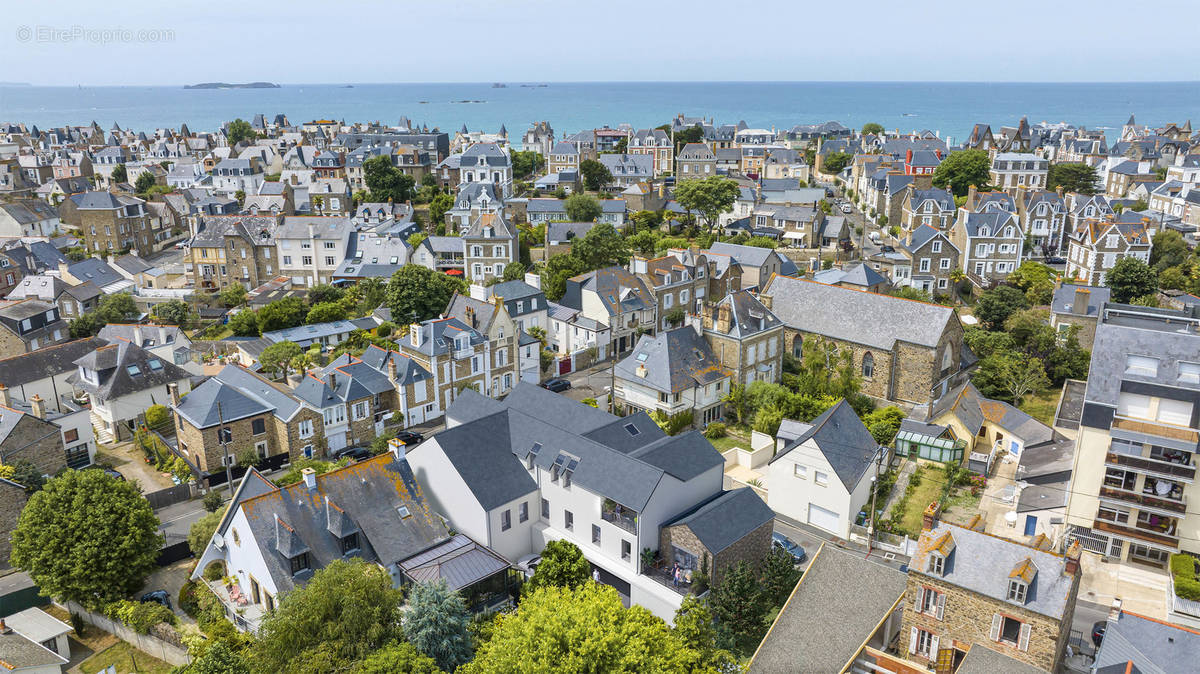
[
  {"x": 545, "y": 509},
  {"x": 820, "y": 478},
  {"x": 523, "y": 512},
  {"x": 944, "y": 263},
  {"x": 800, "y": 471},
  {"x": 868, "y": 365},
  {"x": 923, "y": 643},
  {"x": 1011, "y": 631},
  {"x": 937, "y": 564},
  {"x": 133, "y": 370},
  {"x": 360, "y": 410},
  {"x": 306, "y": 428},
  {"x": 595, "y": 535},
  {"x": 936, "y": 247},
  {"x": 1142, "y": 366},
  {"x": 349, "y": 543},
  {"x": 258, "y": 426},
  {"x": 1017, "y": 591},
  {"x": 506, "y": 520},
  {"x": 1189, "y": 372},
  {"x": 626, "y": 550},
  {"x": 569, "y": 520},
  {"x": 1113, "y": 514},
  {"x": 930, "y": 602},
  {"x": 299, "y": 563}
]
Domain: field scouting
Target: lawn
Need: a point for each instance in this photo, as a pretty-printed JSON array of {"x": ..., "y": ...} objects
[
  {"x": 922, "y": 495},
  {"x": 730, "y": 441},
  {"x": 126, "y": 658},
  {"x": 1042, "y": 405}
]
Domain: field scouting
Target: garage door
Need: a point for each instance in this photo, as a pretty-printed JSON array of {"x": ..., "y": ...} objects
[
  {"x": 336, "y": 441},
  {"x": 825, "y": 519}
]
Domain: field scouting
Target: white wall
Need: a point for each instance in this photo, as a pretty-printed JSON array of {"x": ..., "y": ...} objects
[
  {"x": 518, "y": 540},
  {"x": 790, "y": 496},
  {"x": 243, "y": 558},
  {"x": 446, "y": 491}
]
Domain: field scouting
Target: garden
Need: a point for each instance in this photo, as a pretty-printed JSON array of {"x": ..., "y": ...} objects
[{"x": 956, "y": 489}]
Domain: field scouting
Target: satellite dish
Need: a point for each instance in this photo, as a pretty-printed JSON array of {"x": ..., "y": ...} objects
[{"x": 218, "y": 540}]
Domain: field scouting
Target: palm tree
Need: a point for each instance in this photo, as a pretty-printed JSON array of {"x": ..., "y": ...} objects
[{"x": 318, "y": 201}]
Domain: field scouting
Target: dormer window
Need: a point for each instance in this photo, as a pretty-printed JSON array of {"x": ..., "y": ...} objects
[
  {"x": 1017, "y": 591},
  {"x": 937, "y": 564},
  {"x": 300, "y": 563},
  {"x": 349, "y": 543}
]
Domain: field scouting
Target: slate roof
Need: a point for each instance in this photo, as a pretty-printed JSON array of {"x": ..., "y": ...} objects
[
  {"x": 982, "y": 563},
  {"x": 1152, "y": 646},
  {"x": 839, "y": 602},
  {"x": 46, "y": 362},
  {"x": 459, "y": 561},
  {"x": 857, "y": 275},
  {"x": 407, "y": 369},
  {"x": 672, "y": 361},
  {"x": 751, "y": 256},
  {"x": 846, "y": 443},
  {"x": 471, "y": 449},
  {"x": 725, "y": 518},
  {"x": 921, "y": 236},
  {"x": 870, "y": 319},
  {"x": 983, "y": 660},
  {"x": 748, "y": 316},
  {"x": 124, "y": 368},
  {"x": 1119, "y": 335},
  {"x": 19, "y": 653},
  {"x": 241, "y": 393},
  {"x": 95, "y": 270}
]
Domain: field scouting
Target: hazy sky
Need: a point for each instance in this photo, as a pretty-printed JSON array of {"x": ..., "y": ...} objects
[{"x": 68, "y": 42}]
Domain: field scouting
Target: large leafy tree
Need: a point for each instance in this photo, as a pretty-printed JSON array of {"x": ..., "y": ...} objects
[
  {"x": 995, "y": 305},
  {"x": 120, "y": 174},
  {"x": 325, "y": 312},
  {"x": 244, "y": 324},
  {"x": 417, "y": 293},
  {"x": 219, "y": 658},
  {"x": 345, "y": 612},
  {"x": 438, "y": 206},
  {"x": 1130, "y": 279},
  {"x": 710, "y": 197},
  {"x": 582, "y": 208},
  {"x": 288, "y": 312},
  {"x": 834, "y": 162},
  {"x": 525, "y": 163},
  {"x": 399, "y": 656},
  {"x": 695, "y": 628},
  {"x": 233, "y": 295},
  {"x": 239, "y": 130},
  {"x": 1073, "y": 177},
  {"x": 278, "y": 357},
  {"x": 582, "y": 630},
  {"x": 595, "y": 174},
  {"x": 960, "y": 170},
  {"x": 1036, "y": 279},
  {"x": 172, "y": 312},
  {"x": 872, "y": 128},
  {"x": 386, "y": 181},
  {"x": 600, "y": 247},
  {"x": 562, "y": 565},
  {"x": 87, "y": 537},
  {"x": 144, "y": 182},
  {"x": 202, "y": 530},
  {"x": 557, "y": 271},
  {"x": 437, "y": 623},
  {"x": 1168, "y": 250},
  {"x": 117, "y": 308}
]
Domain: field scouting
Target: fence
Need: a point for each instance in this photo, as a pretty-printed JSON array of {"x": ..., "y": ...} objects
[
  {"x": 172, "y": 653},
  {"x": 273, "y": 462},
  {"x": 170, "y": 496}
]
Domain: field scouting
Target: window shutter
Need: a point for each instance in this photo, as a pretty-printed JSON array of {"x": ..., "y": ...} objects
[
  {"x": 996, "y": 620},
  {"x": 912, "y": 641},
  {"x": 933, "y": 647},
  {"x": 941, "y": 605},
  {"x": 920, "y": 597},
  {"x": 1023, "y": 639}
]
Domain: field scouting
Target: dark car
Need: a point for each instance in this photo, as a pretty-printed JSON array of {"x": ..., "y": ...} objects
[
  {"x": 410, "y": 437},
  {"x": 1055, "y": 260},
  {"x": 789, "y": 546},
  {"x": 355, "y": 453},
  {"x": 557, "y": 384},
  {"x": 1098, "y": 630},
  {"x": 157, "y": 597},
  {"x": 109, "y": 472}
]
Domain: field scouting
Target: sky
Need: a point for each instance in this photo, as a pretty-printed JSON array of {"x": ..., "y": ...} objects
[{"x": 132, "y": 42}]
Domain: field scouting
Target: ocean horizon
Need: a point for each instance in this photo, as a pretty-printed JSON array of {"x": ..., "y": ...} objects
[{"x": 948, "y": 108}]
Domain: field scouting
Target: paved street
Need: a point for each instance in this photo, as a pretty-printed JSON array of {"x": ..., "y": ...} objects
[
  {"x": 810, "y": 539},
  {"x": 591, "y": 382}
]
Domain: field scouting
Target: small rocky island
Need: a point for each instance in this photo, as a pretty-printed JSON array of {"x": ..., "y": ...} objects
[{"x": 226, "y": 85}]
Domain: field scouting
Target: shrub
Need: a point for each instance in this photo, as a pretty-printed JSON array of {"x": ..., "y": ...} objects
[
  {"x": 213, "y": 501},
  {"x": 140, "y": 616},
  {"x": 214, "y": 571},
  {"x": 1183, "y": 569},
  {"x": 715, "y": 430},
  {"x": 78, "y": 624}
]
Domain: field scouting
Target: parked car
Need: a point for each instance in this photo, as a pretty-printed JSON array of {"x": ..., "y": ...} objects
[
  {"x": 1098, "y": 630},
  {"x": 108, "y": 471},
  {"x": 556, "y": 384},
  {"x": 157, "y": 597},
  {"x": 354, "y": 453},
  {"x": 846, "y": 208},
  {"x": 410, "y": 437},
  {"x": 789, "y": 546},
  {"x": 1055, "y": 260}
]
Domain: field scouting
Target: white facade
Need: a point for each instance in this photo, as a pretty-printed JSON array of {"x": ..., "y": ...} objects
[{"x": 803, "y": 486}]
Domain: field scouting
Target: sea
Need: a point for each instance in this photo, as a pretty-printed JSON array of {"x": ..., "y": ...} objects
[{"x": 948, "y": 108}]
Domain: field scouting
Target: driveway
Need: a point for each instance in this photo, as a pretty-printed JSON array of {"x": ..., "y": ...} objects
[
  {"x": 129, "y": 461},
  {"x": 171, "y": 578},
  {"x": 591, "y": 382}
]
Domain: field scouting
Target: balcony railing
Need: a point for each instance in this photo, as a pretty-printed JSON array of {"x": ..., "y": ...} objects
[
  {"x": 460, "y": 354},
  {"x": 1142, "y": 463},
  {"x": 1147, "y": 500},
  {"x": 1157, "y": 429},
  {"x": 619, "y": 515},
  {"x": 1136, "y": 532}
]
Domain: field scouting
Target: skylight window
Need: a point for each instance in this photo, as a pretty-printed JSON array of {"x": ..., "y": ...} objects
[
  {"x": 133, "y": 370},
  {"x": 632, "y": 430},
  {"x": 641, "y": 357},
  {"x": 155, "y": 364},
  {"x": 403, "y": 511}
]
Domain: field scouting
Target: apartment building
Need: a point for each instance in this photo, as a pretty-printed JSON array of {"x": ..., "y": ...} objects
[
  {"x": 229, "y": 248},
  {"x": 1013, "y": 170},
  {"x": 310, "y": 248},
  {"x": 674, "y": 373},
  {"x": 110, "y": 222}
]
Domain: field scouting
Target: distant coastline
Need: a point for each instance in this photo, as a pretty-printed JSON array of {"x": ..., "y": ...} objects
[{"x": 226, "y": 85}]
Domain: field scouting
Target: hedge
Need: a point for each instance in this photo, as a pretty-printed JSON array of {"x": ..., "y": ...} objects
[{"x": 1187, "y": 584}]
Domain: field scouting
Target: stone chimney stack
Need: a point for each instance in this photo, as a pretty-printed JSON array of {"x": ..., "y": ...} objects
[
  {"x": 414, "y": 333},
  {"x": 4, "y": 399},
  {"x": 765, "y": 300},
  {"x": 929, "y": 519},
  {"x": 173, "y": 389},
  {"x": 1072, "y": 566},
  {"x": 471, "y": 320},
  {"x": 310, "y": 478},
  {"x": 1080, "y": 303},
  {"x": 38, "y": 406},
  {"x": 972, "y": 192},
  {"x": 706, "y": 315},
  {"x": 724, "y": 319},
  {"x": 637, "y": 264},
  {"x": 391, "y": 367}
]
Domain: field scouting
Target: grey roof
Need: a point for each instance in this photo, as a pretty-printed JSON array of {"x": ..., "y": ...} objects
[
  {"x": 983, "y": 660},
  {"x": 36, "y": 625},
  {"x": 514, "y": 290},
  {"x": 921, "y": 236},
  {"x": 870, "y": 319},
  {"x": 1171, "y": 338},
  {"x": 1037, "y": 497},
  {"x": 982, "y": 563},
  {"x": 846, "y": 443},
  {"x": 46, "y": 362},
  {"x": 151, "y": 335},
  {"x": 565, "y": 232},
  {"x": 20, "y": 652},
  {"x": 751, "y": 256},
  {"x": 1064, "y": 299},
  {"x": 857, "y": 275},
  {"x": 835, "y": 608},
  {"x": 407, "y": 369},
  {"x": 725, "y": 518},
  {"x": 241, "y": 394},
  {"x": 95, "y": 270},
  {"x": 748, "y": 315},
  {"x": 472, "y": 449},
  {"x": 459, "y": 561},
  {"x": 124, "y": 368},
  {"x": 672, "y": 361},
  {"x": 1154, "y": 647}
]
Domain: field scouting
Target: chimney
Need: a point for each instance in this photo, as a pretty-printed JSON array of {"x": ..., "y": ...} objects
[
  {"x": 162, "y": 335},
  {"x": 1072, "y": 566},
  {"x": 533, "y": 279},
  {"x": 333, "y": 380},
  {"x": 706, "y": 315},
  {"x": 414, "y": 333},
  {"x": 4, "y": 399},
  {"x": 971, "y": 192},
  {"x": 310, "y": 478},
  {"x": 4, "y": 629},
  {"x": 1114, "y": 611},
  {"x": 391, "y": 367},
  {"x": 1059, "y": 190},
  {"x": 478, "y": 292},
  {"x": 1082, "y": 295},
  {"x": 137, "y": 335},
  {"x": 908, "y": 157},
  {"x": 38, "y": 406},
  {"x": 724, "y": 319},
  {"x": 471, "y": 320},
  {"x": 929, "y": 518},
  {"x": 173, "y": 390},
  {"x": 62, "y": 270},
  {"x": 397, "y": 448},
  {"x": 765, "y": 300}
]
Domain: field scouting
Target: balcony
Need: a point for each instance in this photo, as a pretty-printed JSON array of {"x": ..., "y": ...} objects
[
  {"x": 1138, "y": 533},
  {"x": 1157, "y": 429},
  {"x": 1171, "y": 469},
  {"x": 618, "y": 515},
  {"x": 1144, "y": 500},
  {"x": 462, "y": 354}
]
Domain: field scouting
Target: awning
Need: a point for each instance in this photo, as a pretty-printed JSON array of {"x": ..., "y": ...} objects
[{"x": 794, "y": 235}]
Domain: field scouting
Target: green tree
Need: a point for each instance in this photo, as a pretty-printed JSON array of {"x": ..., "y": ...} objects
[
  {"x": 239, "y": 130},
  {"x": 644, "y": 242},
  {"x": 324, "y": 292},
  {"x": 417, "y": 293},
  {"x": 84, "y": 326},
  {"x": 288, "y": 312},
  {"x": 872, "y": 128},
  {"x": 1036, "y": 279},
  {"x": 562, "y": 565},
  {"x": 834, "y": 162},
  {"x": 202, "y": 530},
  {"x": 595, "y": 175},
  {"x": 172, "y": 312},
  {"x": 233, "y": 295},
  {"x": 884, "y": 424},
  {"x": 710, "y": 197},
  {"x": 960, "y": 170},
  {"x": 514, "y": 272},
  {"x": 325, "y": 312},
  {"x": 436, "y": 622},
  {"x": 344, "y": 613},
  {"x": 1130, "y": 279},
  {"x": 591, "y": 632},
  {"x": 1072, "y": 177},
  {"x": 120, "y": 174},
  {"x": 157, "y": 416},
  {"x": 366, "y": 295},
  {"x": 1168, "y": 250},
  {"x": 1022, "y": 374},
  {"x": 557, "y": 271},
  {"x": 398, "y": 656},
  {"x": 278, "y": 357},
  {"x": 438, "y": 206},
  {"x": 995, "y": 305},
  {"x": 144, "y": 182},
  {"x": 386, "y": 181},
  {"x": 600, "y": 247},
  {"x": 779, "y": 576},
  {"x": 117, "y": 308},
  {"x": 244, "y": 323},
  {"x": 219, "y": 658},
  {"x": 694, "y": 627},
  {"x": 739, "y": 605},
  {"x": 582, "y": 208},
  {"x": 87, "y": 537},
  {"x": 525, "y": 163}
]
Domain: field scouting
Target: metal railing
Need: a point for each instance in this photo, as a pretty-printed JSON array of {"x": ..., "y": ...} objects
[
  {"x": 1136, "y": 532},
  {"x": 1147, "y": 464},
  {"x": 1142, "y": 499}
]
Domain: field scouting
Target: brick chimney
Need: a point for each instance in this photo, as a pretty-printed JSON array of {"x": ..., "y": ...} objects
[
  {"x": 1082, "y": 295},
  {"x": 4, "y": 399},
  {"x": 765, "y": 300},
  {"x": 972, "y": 191},
  {"x": 38, "y": 406},
  {"x": 391, "y": 367},
  {"x": 1071, "y": 567},
  {"x": 706, "y": 315},
  {"x": 724, "y": 319},
  {"x": 173, "y": 390},
  {"x": 929, "y": 518}
]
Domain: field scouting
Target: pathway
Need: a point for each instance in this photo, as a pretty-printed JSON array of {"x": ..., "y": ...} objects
[{"x": 906, "y": 471}]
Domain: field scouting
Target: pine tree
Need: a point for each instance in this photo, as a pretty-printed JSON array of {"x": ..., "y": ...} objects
[{"x": 436, "y": 622}]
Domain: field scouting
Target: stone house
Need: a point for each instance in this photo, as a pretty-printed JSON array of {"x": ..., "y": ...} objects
[
  {"x": 1095, "y": 246},
  {"x": 12, "y": 501},
  {"x": 616, "y": 298},
  {"x": 1078, "y": 306},
  {"x": 1011, "y": 171},
  {"x": 228, "y": 248},
  {"x": 674, "y": 372},
  {"x": 991, "y": 244},
  {"x": 757, "y": 265},
  {"x": 563, "y": 156},
  {"x": 706, "y": 531},
  {"x": 539, "y": 138},
  {"x": 110, "y": 222},
  {"x": 412, "y": 383},
  {"x": 490, "y": 245},
  {"x": 908, "y": 352},
  {"x": 627, "y": 169},
  {"x": 745, "y": 337},
  {"x": 1043, "y": 216},
  {"x": 490, "y": 315},
  {"x": 473, "y": 200},
  {"x": 28, "y": 436},
  {"x": 656, "y": 143},
  {"x": 460, "y": 356},
  {"x": 355, "y": 400},
  {"x": 678, "y": 280},
  {"x": 239, "y": 410},
  {"x": 967, "y": 587},
  {"x": 487, "y": 163},
  {"x": 934, "y": 259},
  {"x": 696, "y": 160},
  {"x": 30, "y": 324},
  {"x": 933, "y": 207}
]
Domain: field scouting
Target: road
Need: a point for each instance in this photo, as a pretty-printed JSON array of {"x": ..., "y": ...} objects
[
  {"x": 856, "y": 218},
  {"x": 811, "y": 541}
]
